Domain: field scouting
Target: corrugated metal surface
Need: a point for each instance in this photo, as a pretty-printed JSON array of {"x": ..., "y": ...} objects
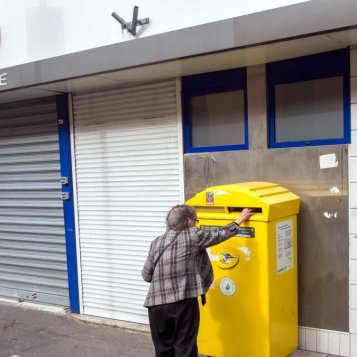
[
  {"x": 32, "y": 242},
  {"x": 128, "y": 175}
]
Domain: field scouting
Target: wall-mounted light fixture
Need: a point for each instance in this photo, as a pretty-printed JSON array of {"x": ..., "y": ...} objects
[{"x": 131, "y": 26}]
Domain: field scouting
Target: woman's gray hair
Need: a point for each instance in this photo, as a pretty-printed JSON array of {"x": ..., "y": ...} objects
[{"x": 178, "y": 217}]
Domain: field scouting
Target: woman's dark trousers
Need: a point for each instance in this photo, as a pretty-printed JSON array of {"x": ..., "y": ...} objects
[{"x": 174, "y": 328}]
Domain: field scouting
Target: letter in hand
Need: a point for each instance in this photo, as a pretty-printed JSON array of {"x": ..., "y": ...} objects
[{"x": 245, "y": 215}]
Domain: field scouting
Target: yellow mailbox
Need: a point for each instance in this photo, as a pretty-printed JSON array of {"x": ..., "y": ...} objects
[{"x": 251, "y": 308}]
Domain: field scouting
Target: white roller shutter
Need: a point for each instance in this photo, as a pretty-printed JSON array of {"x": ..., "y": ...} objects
[
  {"x": 33, "y": 263},
  {"x": 128, "y": 167}
]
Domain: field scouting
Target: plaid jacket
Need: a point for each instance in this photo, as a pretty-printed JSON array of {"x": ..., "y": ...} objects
[{"x": 184, "y": 270}]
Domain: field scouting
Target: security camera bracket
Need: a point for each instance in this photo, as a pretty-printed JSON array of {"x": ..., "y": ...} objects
[{"x": 131, "y": 26}]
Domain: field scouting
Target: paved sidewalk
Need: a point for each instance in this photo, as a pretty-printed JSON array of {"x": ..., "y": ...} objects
[{"x": 29, "y": 330}]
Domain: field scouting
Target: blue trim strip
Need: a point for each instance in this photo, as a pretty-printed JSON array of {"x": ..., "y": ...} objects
[
  {"x": 324, "y": 65},
  {"x": 208, "y": 83},
  {"x": 68, "y": 207}
]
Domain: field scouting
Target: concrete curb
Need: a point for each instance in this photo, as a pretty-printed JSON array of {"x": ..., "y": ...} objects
[
  {"x": 35, "y": 306},
  {"x": 123, "y": 325}
]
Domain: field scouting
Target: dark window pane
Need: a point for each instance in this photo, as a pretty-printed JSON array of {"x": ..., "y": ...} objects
[
  {"x": 309, "y": 110},
  {"x": 218, "y": 119}
]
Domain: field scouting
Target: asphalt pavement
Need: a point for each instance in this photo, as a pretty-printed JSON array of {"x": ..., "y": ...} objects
[
  {"x": 27, "y": 331},
  {"x": 32, "y": 330}
]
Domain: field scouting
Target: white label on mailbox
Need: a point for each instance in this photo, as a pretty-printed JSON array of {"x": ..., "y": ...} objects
[
  {"x": 227, "y": 286},
  {"x": 284, "y": 246}
]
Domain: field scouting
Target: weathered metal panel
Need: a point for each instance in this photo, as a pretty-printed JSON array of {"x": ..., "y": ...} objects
[{"x": 322, "y": 221}]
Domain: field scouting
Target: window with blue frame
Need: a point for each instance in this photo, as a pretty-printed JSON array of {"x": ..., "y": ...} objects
[
  {"x": 215, "y": 111},
  {"x": 309, "y": 100}
]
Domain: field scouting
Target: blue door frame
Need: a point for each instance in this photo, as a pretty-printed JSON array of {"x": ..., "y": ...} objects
[{"x": 68, "y": 206}]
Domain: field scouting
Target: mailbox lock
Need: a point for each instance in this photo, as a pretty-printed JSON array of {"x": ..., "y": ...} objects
[
  {"x": 65, "y": 196},
  {"x": 64, "y": 180}
]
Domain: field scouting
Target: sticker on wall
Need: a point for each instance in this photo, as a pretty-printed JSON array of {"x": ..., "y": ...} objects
[
  {"x": 227, "y": 286},
  {"x": 330, "y": 215},
  {"x": 328, "y": 161},
  {"x": 334, "y": 190},
  {"x": 209, "y": 198},
  {"x": 284, "y": 246}
]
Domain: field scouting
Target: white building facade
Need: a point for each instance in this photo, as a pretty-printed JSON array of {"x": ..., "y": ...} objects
[{"x": 102, "y": 131}]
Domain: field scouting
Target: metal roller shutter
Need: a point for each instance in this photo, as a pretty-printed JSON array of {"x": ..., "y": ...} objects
[
  {"x": 128, "y": 168},
  {"x": 32, "y": 240}
]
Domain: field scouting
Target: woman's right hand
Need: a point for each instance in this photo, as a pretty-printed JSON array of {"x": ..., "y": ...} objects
[{"x": 245, "y": 215}]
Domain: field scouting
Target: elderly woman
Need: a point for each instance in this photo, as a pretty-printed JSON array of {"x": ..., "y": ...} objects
[{"x": 179, "y": 270}]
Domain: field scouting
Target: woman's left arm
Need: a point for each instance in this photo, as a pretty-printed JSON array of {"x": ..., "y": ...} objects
[
  {"x": 212, "y": 236},
  {"x": 148, "y": 268}
]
